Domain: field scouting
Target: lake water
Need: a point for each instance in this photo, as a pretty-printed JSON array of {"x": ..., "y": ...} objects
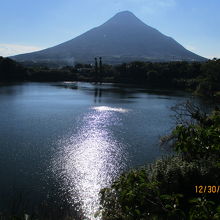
[{"x": 66, "y": 141}]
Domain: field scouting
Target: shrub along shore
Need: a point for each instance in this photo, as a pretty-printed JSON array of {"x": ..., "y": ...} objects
[{"x": 184, "y": 186}]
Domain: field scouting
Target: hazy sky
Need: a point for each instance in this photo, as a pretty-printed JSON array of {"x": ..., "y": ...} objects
[{"x": 29, "y": 25}]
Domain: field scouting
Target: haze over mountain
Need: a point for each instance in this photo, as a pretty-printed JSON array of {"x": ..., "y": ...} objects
[{"x": 123, "y": 38}]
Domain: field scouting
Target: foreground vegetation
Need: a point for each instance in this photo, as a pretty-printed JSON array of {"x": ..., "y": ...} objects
[
  {"x": 169, "y": 188},
  {"x": 203, "y": 78}
]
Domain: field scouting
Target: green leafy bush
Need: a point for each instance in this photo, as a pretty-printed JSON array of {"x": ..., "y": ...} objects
[
  {"x": 200, "y": 140},
  {"x": 166, "y": 188},
  {"x": 161, "y": 190}
]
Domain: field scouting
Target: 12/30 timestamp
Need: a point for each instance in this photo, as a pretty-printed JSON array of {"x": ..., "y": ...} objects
[{"x": 207, "y": 189}]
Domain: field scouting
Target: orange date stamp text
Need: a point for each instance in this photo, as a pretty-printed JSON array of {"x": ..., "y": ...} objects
[{"x": 207, "y": 189}]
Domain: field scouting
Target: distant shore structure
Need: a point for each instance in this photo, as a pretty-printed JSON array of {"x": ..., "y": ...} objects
[
  {"x": 96, "y": 65},
  {"x": 100, "y": 65},
  {"x": 98, "y": 69}
]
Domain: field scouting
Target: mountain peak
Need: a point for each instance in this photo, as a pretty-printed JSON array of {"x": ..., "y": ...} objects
[
  {"x": 123, "y": 38},
  {"x": 125, "y": 13},
  {"x": 124, "y": 17}
]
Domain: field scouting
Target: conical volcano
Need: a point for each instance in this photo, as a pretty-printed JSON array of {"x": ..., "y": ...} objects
[{"x": 123, "y": 38}]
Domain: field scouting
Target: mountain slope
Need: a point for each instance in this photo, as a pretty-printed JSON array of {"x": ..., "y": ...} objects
[{"x": 122, "y": 38}]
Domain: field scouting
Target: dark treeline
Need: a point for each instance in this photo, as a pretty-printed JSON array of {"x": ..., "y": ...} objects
[
  {"x": 11, "y": 71},
  {"x": 200, "y": 77}
]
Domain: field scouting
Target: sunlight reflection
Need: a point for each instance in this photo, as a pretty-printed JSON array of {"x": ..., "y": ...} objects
[
  {"x": 91, "y": 159},
  {"x": 106, "y": 108}
]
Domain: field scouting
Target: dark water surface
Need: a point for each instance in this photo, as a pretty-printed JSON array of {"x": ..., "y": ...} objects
[{"x": 69, "y": 140}]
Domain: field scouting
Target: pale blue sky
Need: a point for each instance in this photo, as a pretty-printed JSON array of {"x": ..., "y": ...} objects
[{"x": 28, "y": 25}]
